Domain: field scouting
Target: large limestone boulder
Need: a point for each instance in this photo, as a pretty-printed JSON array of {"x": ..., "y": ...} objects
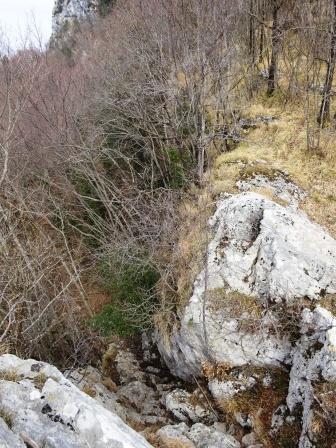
[
  {"x": 40, "y": 407},
  {"x": 263, "y": 258},
  {"x": 264, "y": 302}
]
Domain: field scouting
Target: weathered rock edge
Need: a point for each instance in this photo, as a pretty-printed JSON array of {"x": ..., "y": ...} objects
[
  {"x": 37, "y": 402},
  {"x": 260, "y": 249},
  {"x": 277, "y": 260}
]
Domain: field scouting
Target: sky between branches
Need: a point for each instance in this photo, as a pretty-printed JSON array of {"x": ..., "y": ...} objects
[{"x": 20, "y": 19}]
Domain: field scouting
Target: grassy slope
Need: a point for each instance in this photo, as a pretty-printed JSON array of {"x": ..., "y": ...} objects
[{"x": 282, "y": 144}]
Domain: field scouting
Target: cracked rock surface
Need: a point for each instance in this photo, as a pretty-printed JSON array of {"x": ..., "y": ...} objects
[
  {"x": 263, "y": 251},
  {"x": 39, "y": 405},
  {"x": 261, "y": 301},
  {"x": 314, "y": 362}
]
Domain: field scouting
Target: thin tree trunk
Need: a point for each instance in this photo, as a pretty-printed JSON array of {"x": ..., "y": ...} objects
[
  {"x": 262, "y": 34},
  {"x": 324, "y": 115},
  {"x": 273, "y": 68},
  {"x": 252, "y": 33}
]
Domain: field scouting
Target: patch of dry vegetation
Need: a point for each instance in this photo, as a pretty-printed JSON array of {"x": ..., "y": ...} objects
[
  {"x": 235, "y": 305},
  {"x": 40, "y": 380},
  {"x": 282, "y": 145},
  {"x": 7, "y": 417},
  {"x": 259, "y": 403},
  {"x": 88, "y": 390},
  {"x": 329, "y": 302},
  {"x": 187, "y": 259},
  {"x": 323, "y": 429}
]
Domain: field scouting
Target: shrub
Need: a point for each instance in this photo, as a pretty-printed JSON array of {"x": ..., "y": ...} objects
[{"x": 131, "y": 287}]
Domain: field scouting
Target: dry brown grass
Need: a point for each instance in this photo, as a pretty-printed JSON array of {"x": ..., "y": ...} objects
[
  {"x": 9, "y": 375},
  {"x": 40, "y": 380},
  {"x": 187, "y": 259},
  {"x": 5, "y": 348},
  {"x": 220, "y": 371},
  {"x": 282, "y": 145},
  {"x": 323, "y": 426},
  {"x": 246, "y": 309},
  {"x": 108, "y": 361},
  {"x": 109, "y": 384},
  {"x": 329, "y": 302},
  {"x": 7, "y": 418},
  {"x": 258, "y": 402},
  {"x": 88, "y": 390},
  {"x": 194, "y": 214},
  {"x": 250, "y": 171}
]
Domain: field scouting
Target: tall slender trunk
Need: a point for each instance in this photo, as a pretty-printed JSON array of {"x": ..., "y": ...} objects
[
  {"x": 276, "y": 33},
  {"x": 262, "y": 34},
  {"x": 324, "y": 114},
  {"x": 252, "y": 32}
]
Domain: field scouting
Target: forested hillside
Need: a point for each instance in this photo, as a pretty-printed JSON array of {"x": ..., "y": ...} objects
[{"x": 168, "y": 168}]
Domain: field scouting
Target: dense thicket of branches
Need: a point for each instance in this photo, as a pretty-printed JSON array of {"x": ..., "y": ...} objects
[{"x": 97, "y": 148}]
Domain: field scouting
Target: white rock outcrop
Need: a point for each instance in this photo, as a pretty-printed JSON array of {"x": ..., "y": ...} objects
[
  {"x": 281, "y": 187},
  {"x": 39, "y": 405},
  {"x": 314, "y": 360},
  {"x": 258, "y": 303},
  {"x": 68, "y": 12},
  {"x": 270, "y": 254}
]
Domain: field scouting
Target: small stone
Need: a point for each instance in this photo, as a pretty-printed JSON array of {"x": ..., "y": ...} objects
[
  {"x": 205, "y": 436},
  {"x": 144, "y": 401},
  {"x": 176, "y": 434},
  {"x": 278, "y": 418},
  {"x": 249, "y": 439},
  {"x": 36, "y": 367},
  {"x": 35, "y": 395},
  {"x": 187, "y": 407},
  {"x": 243, "y": 420},
  {"x": 220, "y": 426},
  {"x": 128, "y": 368},
  {"x": 226, "y": 390}
]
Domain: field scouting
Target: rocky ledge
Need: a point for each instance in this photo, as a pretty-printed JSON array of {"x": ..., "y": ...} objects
[{"x": 41, "y": 408}]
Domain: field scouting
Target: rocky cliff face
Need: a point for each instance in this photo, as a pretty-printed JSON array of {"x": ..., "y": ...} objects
[
  {"x": 263, "y": 305},
  {"x": 67, "y": 13}
]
